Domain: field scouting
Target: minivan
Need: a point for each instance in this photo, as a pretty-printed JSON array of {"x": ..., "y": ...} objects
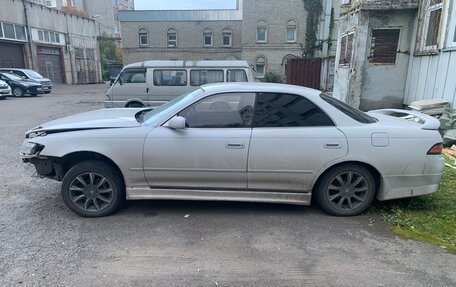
[{"x": 153, "y": 83}]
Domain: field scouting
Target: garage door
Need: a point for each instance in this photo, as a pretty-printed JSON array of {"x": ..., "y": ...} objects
[
  {"x": 11, "y": 55},
  {"x": 50, "y": 63}
]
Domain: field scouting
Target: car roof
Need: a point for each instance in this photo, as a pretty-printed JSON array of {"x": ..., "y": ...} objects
[
  {"x": 260, "y": 87},
  {"x": 190, "y": 64}
]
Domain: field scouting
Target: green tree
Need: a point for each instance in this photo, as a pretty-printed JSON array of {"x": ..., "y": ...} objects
[{"x": 109, "y": 53}]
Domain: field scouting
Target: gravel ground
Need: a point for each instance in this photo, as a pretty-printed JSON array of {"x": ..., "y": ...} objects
[{"x": 154, "y": 243}]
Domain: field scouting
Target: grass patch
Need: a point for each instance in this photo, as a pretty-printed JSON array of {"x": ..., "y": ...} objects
[{"x": 430, "y": 218}]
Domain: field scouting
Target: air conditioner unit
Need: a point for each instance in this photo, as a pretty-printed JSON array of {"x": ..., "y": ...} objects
[
  {"x": 345, "y": 2},
  {"x": 69, "y": 48}
]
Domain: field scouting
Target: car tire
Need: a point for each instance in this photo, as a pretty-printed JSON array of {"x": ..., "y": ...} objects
[
  {"x": 135, "y": 105},
  {"x": 17, "y": 91},
  {"x": 93, "y": 189},
  {"x": 346, "y": 190}
]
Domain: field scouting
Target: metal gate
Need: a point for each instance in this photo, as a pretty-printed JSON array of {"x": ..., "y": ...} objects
[
  {"x": 80, "y": 65},
  {"x": 11, "y": 55},
  {"x": 91, "y": 66},
  {"x": 50, "y": 63},
  {"x": 304, "y": 72}
]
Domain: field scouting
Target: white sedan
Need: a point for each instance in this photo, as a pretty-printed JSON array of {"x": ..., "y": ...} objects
[
  {"x": 5, "y": 90},
  {"x": 251, "y": 142}
]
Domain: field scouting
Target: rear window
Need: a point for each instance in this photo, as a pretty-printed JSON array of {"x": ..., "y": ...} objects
[{"x": 350, "y": 111}]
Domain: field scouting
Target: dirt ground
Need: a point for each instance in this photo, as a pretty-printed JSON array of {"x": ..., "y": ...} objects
[{"x": 154, "y": 243}]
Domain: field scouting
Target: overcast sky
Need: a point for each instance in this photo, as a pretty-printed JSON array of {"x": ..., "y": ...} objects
[{"x": 184, "y": 4}]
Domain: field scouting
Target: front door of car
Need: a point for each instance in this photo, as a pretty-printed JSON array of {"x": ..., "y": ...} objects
[
  {"x": 131, "y": 86},
  {"x": 292, "y": 140},
  {"x": 211, "y": 152}
]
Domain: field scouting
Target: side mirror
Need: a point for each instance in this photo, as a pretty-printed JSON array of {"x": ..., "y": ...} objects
[
  {"x": 111, "y": 81},
  {"x": 176, "y": 123}
]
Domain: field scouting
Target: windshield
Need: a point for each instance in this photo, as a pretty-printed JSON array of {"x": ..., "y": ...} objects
[
  {"x": 155, "y": 114},
  {"x": 12, "y": 77},
  {"x": 33, "y": 74}
]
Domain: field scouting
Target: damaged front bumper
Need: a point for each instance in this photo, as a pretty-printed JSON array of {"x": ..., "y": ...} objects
[{"x": 49, "y": 167}]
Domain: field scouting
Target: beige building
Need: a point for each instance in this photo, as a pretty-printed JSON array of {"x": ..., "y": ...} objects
[{"x": 265, "y": 33}]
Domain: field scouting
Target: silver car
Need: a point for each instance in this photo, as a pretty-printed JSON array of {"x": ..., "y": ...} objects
[
  {"x": 5, "y": 90},
  {"x": 250, "y": 142}
]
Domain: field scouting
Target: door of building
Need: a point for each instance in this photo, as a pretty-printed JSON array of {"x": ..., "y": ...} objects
[
  {"x": 304, "y": 72},
  {"x": 50, "y": 63},
  {"x": 11, "y": 55}
]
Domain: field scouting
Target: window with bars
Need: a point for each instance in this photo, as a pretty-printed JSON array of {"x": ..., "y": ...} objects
[{"x": 384, "y": 46}]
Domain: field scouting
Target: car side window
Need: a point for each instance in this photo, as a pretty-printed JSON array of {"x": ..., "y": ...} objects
[
  {"x": 286, "y": 110},
  {"x": 230, "y": 110},
  {"x": 170, "y": 77},
  {"x": 19, "y": 74},
  {"x": 133, "y": 76}
]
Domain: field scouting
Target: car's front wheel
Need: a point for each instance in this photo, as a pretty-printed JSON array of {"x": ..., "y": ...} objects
[
  {"x": 18, "y": 91},
  {"x": 92, "y": 189},
  {"x": 346, "y": 190}
]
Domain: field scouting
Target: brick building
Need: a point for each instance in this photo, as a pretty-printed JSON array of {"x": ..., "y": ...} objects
[{"x": 265, "y": 33}]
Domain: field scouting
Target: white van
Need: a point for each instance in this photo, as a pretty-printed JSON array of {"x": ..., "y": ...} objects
[{"x": 153, "y": 83}]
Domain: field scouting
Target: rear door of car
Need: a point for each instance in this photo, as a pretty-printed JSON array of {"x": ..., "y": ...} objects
[
  {"x": 292, "y": 139},
  {"x": 210, "y": 153}
]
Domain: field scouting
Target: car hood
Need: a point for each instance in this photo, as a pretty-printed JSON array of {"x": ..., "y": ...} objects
[{"x": 98, "y": 119}]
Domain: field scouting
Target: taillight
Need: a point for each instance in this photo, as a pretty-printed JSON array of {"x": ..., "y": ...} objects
[{"x": 436, "y": 149}]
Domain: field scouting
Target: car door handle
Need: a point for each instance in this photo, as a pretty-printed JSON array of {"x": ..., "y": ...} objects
[
  {"x": 235, "y": 145},
  {"x": 332, "y": 145}
]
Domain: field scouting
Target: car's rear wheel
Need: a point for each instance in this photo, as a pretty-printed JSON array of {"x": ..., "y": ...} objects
[
  {"x": 92, "y": 189},
  {"x": 346, "y": 190},
  {"x": 18, "y": 91}
]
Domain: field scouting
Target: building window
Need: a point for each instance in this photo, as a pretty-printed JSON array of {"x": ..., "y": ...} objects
[
  {"x": 48, "y": 36},
  {"x": 262, "y": 32},
  {"x": 172, "y": 38},
  {"x": 384, "y": 46},
  {"x": 346, "y": 48},
  {"x": 260, "y": 67},
  {"x": 452, "y": 29},
  {"x": 12, "y": 31},
  {"x": 226, "y": 37},
  {"x": 8, "y": 29},
  {"x": 430, "y": 30},
  {"x": 143, "y": 37},
  {"x": 291, "y": 31},
  {"x": 207, "y": 37}
]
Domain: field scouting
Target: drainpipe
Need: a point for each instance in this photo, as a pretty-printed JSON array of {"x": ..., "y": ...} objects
[
  {"x": 327, "y": 22},
  {"x": 29, "y": 34}
]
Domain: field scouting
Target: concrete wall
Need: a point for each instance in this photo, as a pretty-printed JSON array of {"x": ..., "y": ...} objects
[
  {"x": 79, "y": 32},
  {"x": 384, "y": 85},
  {"x": 371, "y": 86}
]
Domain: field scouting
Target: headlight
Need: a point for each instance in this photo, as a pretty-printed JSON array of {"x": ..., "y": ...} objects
[{"x": 30, "y": 148}]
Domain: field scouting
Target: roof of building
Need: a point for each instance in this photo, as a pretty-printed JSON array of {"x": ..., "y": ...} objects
[{"x": 180, "y": 15}]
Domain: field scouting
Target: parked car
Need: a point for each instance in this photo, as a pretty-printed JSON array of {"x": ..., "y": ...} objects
[
  {"x": 5, "y": 90},
  {"x": 27, "y": 74},
  {"x": 253, "y": 142},
  {"x": 19, "y": 86},
  {"x": 153, "y": 83}
]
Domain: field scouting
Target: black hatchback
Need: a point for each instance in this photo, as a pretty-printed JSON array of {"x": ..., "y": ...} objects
[{"x": 19, "y": 86}]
